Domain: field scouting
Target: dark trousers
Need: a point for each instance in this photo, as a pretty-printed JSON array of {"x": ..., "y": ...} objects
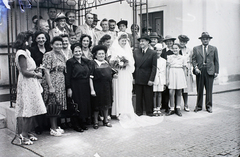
[
  {"x": 204, "y": 80},
  {"x": 165, "y": 99},
  {"x": 144, "y": 92}
]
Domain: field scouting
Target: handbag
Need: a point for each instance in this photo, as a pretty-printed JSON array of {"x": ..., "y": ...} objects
[
  {"x": 72, "y": 108},
  {"x": 53, "y": 106}
]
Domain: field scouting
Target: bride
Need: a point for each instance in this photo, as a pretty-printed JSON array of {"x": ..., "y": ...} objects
[{"x": 122, "y": 60}]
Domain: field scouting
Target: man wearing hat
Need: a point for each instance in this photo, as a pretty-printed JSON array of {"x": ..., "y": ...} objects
[
  {"x": 86, "y": 28},
  {"x": 169, "y": 41},
  {"x": 122, "y": 26},
  {"x": 95, "y": 22},
  {"x": 146, "y": 31},
  {"x": 144, "y": 75},
  {"x": 70, "y": 21},
  {"x": 206, "y": 68},
  {"x": 154, "y": 39},
  {"x": 60, "y": 26},
  {"x": 52, "y": 13}
]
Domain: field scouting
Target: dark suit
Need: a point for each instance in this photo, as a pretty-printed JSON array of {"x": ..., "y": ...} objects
[
  {"x": 51, "y": 24},
  {"x": 145, "y": 70},
  {"x": 208, "y": 69}
]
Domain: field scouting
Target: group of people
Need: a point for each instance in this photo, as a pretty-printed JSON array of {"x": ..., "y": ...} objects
[{"x": 99, "y": 71}]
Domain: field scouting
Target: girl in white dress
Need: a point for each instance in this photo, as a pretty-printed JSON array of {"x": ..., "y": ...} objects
[
  {"x": 176, "y": 79},
  {"x": 122, "y": 87},
  {"x": 159, "y": 81},
  {"x": 29, "y": 101}
]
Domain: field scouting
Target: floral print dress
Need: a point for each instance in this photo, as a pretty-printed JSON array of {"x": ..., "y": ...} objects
[{"x": 56, "y": 63}]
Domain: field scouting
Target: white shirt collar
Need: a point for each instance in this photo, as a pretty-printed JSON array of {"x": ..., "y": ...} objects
[{"x": 100, "y": 62}]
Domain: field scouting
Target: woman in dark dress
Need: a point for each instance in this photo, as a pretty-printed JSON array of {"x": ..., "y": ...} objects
[
  {"x": 102, "y": 83},
  {"x": 40, "y": 46},
  {"x": 78, "y": 80}
]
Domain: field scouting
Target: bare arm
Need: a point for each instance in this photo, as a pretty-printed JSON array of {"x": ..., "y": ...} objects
[
  {"x": 23, "y": 66},
  {"x": 48, "y": 79}
]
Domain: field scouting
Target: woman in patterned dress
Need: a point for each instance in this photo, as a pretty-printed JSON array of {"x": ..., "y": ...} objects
[
  {"x": 54, "y": 63},
  {"x": 29, "y": 101}
]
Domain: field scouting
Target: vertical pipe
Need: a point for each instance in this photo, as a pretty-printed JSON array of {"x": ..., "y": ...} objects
[
  {"x": 147, "y": 14},
  {"x": 9, "y": 57},
  {"x": 141, "y": 23},
  {"x": 38, "y": 14}
]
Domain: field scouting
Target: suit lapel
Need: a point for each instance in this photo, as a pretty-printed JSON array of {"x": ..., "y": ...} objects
[
  {"x": 145, "y": 56},
  {"x": 209, "y": 49},
  {"x": 200, "y": 50}
]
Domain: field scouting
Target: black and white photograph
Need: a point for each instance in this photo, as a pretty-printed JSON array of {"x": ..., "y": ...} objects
[{"x": 119, "y": 78}]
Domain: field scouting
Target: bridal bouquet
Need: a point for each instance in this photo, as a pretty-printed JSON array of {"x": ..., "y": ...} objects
[{"x": 119, "y": 63}]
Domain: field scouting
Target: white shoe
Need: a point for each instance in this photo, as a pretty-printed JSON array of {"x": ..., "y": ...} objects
[
  {"x": 155, "y": 111},
  {"x": 55, "y": 133},
  {"x": 108, "y": 117},
  {"x": 60, "y": 130}
]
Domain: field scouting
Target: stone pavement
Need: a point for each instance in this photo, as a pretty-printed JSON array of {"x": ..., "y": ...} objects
[{"x": 193, "y": 135}]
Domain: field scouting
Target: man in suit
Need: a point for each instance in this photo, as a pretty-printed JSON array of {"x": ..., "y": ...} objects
[
  {"x": 144, "y": 74},
  {"x": 52, "y": 13},
  {"x": 206, "y": 67},
  {"x": 70, "y": 21},
  {"x": 86, "y": 28}
]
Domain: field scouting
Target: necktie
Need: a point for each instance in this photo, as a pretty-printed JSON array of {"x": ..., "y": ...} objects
[
  {"x": 52, "y": 24},
  {"x": 205, "y": 54}
]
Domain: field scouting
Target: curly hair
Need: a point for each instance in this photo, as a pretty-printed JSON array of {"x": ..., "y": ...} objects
[
  {"x": 36, "y": 34},
  {"x": 57, "y": 38},
  {"x": 90, "y": 40},
  {"x": 104, "y": 38}
]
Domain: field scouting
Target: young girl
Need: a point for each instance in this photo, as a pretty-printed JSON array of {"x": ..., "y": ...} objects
[
  {"x": 176, "y": 78},
  {"x": 160, "y": 80}
]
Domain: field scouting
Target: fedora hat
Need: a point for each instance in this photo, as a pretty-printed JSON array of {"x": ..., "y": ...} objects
[
  {"x": 60, "y": 16},
  {"x": 154, "y": 35},
  {"x": 122, "y": 22},
  {"x": 183, "y": 38},
  {"x": 168, "y": 37},
  {"x": 95, "y": 17},
  {"x": 205, "y": 35},
  {"x": 146, "y": 37}
]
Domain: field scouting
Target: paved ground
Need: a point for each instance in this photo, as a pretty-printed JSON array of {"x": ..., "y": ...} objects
[{"x": 194, "y": 135}]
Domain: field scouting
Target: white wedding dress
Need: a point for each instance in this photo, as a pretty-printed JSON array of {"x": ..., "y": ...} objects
[{"x": 122, "y": 91}]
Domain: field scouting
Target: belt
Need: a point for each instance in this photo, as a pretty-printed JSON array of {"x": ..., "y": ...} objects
[{"x": 57, "y": 69}]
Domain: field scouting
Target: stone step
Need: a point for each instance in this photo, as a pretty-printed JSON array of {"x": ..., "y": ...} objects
[
  {"x": 9, "y": 114},
  {"x": 2, "y": 122}
]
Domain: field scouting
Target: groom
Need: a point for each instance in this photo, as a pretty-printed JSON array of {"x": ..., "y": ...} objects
[{"x": 144, "y": 74}]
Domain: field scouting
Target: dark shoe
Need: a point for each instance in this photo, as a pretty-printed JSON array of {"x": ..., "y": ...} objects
[
  {"x": 84, "y": 127},
  {"x": 38, "y": 130},
  {"x": 78, "y": 129},
  {"x": 95, "y": 126},
  {"x": 107, "y": 124},
  {"x": 178, "y": 112},
  {"x": 170, "y": 112},
  {"x": 197, "y": 109},
  {"x": 209, "y": 110},
  {"x": 151, "y": 115}
]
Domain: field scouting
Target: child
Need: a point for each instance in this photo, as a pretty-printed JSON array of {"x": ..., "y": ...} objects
[
  {"x": 72, "y": 38},
  {"x": 176, "y": 78},
  {"x": 159, "y": 81}
]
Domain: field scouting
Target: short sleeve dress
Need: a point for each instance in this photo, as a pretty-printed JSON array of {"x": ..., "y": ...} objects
[
  {"x": 177, "y": 78},
  {"x": 56, "y": 63},
  {"x": 102, "y": 83},
  {"x": 29, "y": 99}
]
